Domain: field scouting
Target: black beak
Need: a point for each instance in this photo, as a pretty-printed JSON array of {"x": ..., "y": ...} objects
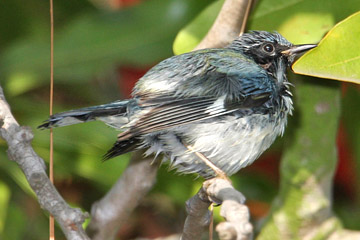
[{"x": 297, "y": 49}]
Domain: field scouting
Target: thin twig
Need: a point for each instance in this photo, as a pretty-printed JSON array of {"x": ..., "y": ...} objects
[
  {"x": 218, "y": 171},
  {"x": 211, "y": 225},
  {"x": 246, "y": 16},
  {"x": 20, "y": 150},
  {"x": 51, "y": 163}
]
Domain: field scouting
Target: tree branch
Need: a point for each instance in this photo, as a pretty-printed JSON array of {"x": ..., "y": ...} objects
[
  {"x": 236, "y": 214},
  {"x": 199, "y": 216},
  {"x": 344, "y": 234},
  {"x": 114, "y": 209},
  {"x": 20, "y": 150},
  {"x": 229, "y": 24}
]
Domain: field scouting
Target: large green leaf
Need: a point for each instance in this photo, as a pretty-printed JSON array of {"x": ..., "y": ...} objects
[{"x": 338, "y": 54}]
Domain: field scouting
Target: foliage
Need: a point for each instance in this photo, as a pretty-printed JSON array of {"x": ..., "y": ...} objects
[
  {"x": 90, "y": 44},
  {"x": 337, "y": 55}
]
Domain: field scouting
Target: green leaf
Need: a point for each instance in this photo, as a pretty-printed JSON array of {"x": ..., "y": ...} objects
[
  {"x": 4, "y": 202},
  {"x": 21, "y": 83},
  {"x": 338, "y": 54}
]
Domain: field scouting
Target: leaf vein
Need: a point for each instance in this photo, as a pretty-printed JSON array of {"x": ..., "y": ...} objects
[{"x": 345, "y": 61}]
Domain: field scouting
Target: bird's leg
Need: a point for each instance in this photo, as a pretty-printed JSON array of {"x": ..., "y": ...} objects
[{"x": 218, "y": 172}]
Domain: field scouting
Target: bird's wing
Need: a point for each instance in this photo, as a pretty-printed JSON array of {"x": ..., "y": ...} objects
[
  {"x": 194, "y": 87},
  {"x": 179, "y": 111},
  {"x": 197, "y": 86},
  {"x": 176, "y": 112},
  {"x": 208, "y": 72}
]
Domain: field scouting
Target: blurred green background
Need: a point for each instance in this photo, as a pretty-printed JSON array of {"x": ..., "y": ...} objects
[{"x": 101, "y": 48}]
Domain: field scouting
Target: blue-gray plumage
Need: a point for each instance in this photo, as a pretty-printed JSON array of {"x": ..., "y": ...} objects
[{"x": 227, "y": 104}]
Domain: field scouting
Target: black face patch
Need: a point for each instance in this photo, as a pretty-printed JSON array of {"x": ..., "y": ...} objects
[{"x": 265, "y": 53}]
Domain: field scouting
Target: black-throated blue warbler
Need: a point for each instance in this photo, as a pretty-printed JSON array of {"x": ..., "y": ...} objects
[{"x": 210, "y": 112}]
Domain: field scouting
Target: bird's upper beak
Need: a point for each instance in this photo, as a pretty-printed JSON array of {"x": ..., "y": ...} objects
[{"x": 297, "y": 49}]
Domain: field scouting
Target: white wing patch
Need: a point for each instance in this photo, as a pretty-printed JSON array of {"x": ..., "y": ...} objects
[{"x": 217, "y": 106}]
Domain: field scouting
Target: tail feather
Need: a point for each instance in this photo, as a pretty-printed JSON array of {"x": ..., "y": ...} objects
[{"x": 113, "y": 114}]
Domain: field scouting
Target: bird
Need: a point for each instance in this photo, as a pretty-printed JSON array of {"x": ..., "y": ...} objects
[{"x": 208, "y": 112}]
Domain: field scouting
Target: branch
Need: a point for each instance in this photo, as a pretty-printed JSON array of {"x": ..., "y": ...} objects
[
  {"x": 236, "y": 214},
  {"x": 344, "y": 234},
  {"x": 114, "y": 209},
  {"x": 199, "y": 216},
  {"x": 20, "y": 150},
  {"x": 229, "y": 24}
]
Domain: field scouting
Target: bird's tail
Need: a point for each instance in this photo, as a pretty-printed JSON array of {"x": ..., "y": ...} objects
[{"x": 113, "y": 114}]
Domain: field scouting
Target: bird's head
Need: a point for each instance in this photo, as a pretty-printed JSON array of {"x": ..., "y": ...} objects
[{"x": 270, "y": 50}]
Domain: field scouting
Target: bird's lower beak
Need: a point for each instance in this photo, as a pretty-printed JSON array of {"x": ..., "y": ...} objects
[{"x": 297, "y": 49}]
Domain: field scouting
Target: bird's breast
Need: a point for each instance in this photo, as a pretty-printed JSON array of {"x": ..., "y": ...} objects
[
  {"x": 231, "y": 142},
  {"x": 235, "y": 142}
]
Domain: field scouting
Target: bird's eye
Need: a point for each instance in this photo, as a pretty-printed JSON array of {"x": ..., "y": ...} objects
[{"x": 269, "y": 48}]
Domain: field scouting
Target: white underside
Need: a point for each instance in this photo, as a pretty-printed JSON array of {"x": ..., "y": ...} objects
[{"x": 230, "y": 144}]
